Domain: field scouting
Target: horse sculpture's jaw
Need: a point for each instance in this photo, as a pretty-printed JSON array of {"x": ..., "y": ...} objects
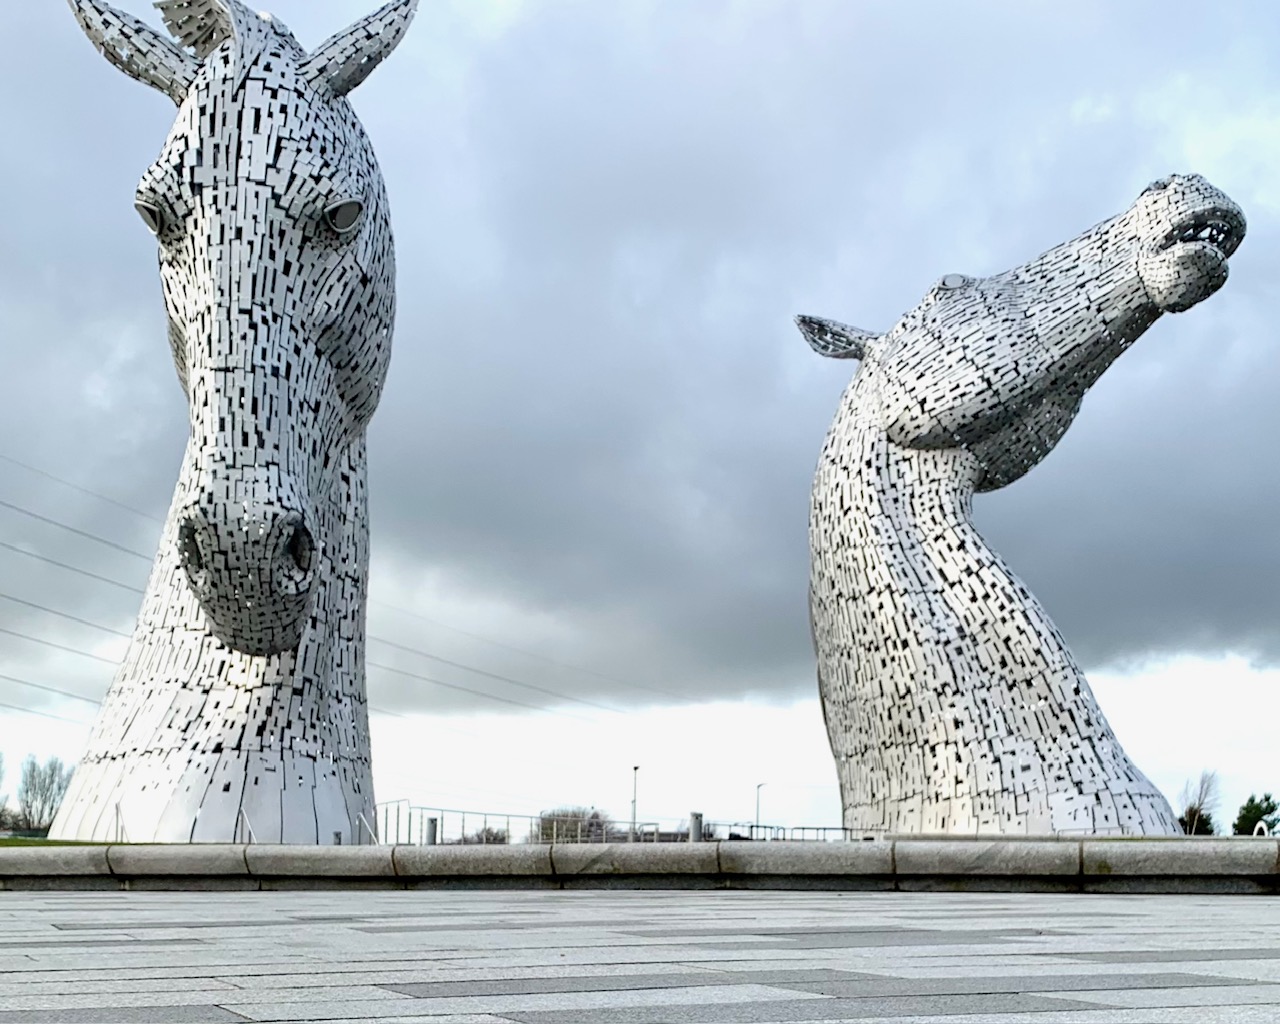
[{"x": 952, "y": 702}]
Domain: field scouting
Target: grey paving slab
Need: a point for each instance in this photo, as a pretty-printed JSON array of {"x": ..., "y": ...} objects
[
  {"x": 1160, "y": 956},
  {"x": 852, "y": 937},
  {"x": 664, "y": 1002},
  {"x": 621, "y": 983},
  {"x": 117, "y": 1015},
  {"x": 1268, "y": 995},
  {"x": 200, "y": 996},
  {"x": 796, "y": 1012},
  {"x": 629, "y": 957},
  {"x": 448, "y": 1018},
  {"x": 86, "y": 945},
  {"x": 1057, "y": 983},
  {"x": 1189, "y": 1015}
]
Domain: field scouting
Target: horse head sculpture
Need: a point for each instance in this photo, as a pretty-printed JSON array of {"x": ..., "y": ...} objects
[
  {"x": 952, "y": 703},
  {"x": 278, "y": 268},
  {"x": 278, "y": 272}
]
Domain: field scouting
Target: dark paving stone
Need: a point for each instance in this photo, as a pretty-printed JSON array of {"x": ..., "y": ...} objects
[
  {"x": 481, "y": 926},
  {"x": 853, "y": 938},
  {"x": 870, "y": 985},
  {"x": 126, "y": 1015},
  {"x": 90, "y": 944},
  {"x": 136, "y": 926},
  {"x": 627, "y": 983},
  {"x": 736, "y": 931},
  {"x": 1162, "y": 956},
  {"x": 803, "y": 1010}
]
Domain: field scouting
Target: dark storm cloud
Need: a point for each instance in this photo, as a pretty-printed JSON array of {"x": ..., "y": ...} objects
[{"x": 599, "y": 415}]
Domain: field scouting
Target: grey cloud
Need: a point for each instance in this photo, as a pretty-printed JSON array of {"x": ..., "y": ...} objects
[{"x": 598, "y": 410}]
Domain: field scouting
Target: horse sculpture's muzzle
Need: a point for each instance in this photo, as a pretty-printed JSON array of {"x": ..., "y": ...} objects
[{"x": 253, "y": 567}]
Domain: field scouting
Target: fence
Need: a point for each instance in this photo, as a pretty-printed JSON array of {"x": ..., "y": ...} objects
[{"x": 399, "y": 822}]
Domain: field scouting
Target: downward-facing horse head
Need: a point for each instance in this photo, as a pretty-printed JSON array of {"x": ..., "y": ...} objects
[
  {"x": 278, "y": 271},
  {"x": 951, "y": 701}
]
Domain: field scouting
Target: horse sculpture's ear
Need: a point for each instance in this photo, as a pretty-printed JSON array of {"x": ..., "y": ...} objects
[
  {"x": 347, "y": 59},
  {"x": 136, "y": 48},
  {"x": 834, "y": 339}
]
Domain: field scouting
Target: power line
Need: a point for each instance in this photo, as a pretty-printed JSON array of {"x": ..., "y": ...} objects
[
  {"x": 64, "y": 615},
  {"x": 494, "y": 675},
  {"x": 57, "y": 646},
  {"x": 390, "y": 643},
  {"x": 372, "y": 707},
  {"x": 63, "y": 565},
  {"x": 43, "y": 714},
  {"x": 403, "y": 611},
  {"x": 532, "y": 654},
  {"x": 98, "y": 703},
  {"x": 76, "y": 487},
  {"x": 474, "y": 693},
  {"x": 71, "y": 529},
  {"x": 384, "y": 668},
  {"x": 50, "y": 689}
]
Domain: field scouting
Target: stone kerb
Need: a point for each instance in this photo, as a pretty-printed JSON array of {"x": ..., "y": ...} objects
[
  {"x": 1200, "y": 863},
  {"x": 278, "y": 867},
  {"x": 201, "y": 866},
  {"x": 854, "y": 865},
  {"x": 55, "y": 867},
  {"x": 903, "y": 863},
  {"x": 178, "y": 861},
  {"x": 1026, "y": 864},
  {"x": 490, "y": 866},
  {"x": 636, "y": 865}
]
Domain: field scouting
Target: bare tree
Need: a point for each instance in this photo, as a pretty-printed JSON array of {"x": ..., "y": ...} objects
[
  {"x": 1198, "y": 804},
  {"x": 4, "y": 798},
  {"x": 573, "y": 825},
  {"x": 41, "y": 791},
  {"x": 485, "y": 836}
]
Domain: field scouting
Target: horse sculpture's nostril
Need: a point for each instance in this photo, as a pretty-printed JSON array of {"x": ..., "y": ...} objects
[
  {"x": 302, "y": 549},
  {"x": 189, "y": 552}
]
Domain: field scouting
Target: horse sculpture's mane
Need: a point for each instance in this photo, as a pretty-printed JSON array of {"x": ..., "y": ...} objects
[{"x": 199, "y": 25}]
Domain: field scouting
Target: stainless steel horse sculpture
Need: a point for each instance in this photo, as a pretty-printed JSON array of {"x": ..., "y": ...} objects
[
  {"x": 240, "y": 706},
  {"x": 951, "y": 701}
]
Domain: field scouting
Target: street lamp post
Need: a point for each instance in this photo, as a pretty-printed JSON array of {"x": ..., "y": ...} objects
[
  {"x": 759, "y": 786},
  {"x": 635, "y": 775}
]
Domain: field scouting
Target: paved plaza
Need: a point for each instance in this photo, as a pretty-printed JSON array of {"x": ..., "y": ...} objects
[{"x": 614, "y": 957}]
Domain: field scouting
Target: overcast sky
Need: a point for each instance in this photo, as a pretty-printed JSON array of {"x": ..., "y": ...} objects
[{"x": 597, "y": 440}]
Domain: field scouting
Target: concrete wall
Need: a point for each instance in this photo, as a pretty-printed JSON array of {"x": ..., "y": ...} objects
[{"x": 1234, "y": 865}]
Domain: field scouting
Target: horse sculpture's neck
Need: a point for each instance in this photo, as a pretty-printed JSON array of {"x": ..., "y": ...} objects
[
  {"x": 272, "y": 748},
  {"x": 945, "y": 684}
]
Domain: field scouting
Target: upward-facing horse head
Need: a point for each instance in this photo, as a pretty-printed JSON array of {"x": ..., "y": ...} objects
[
  {"x": 998, "y": 365},
  {"x": 242, "y": 694},
  {"x": 952, "y": 703}
]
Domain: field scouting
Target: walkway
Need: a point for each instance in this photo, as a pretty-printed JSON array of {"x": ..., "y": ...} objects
[{"x": 611, "y": 957}]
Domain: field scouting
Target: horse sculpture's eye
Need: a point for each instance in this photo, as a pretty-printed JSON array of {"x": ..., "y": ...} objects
[
  {"x": 344, "y": 217},
  {"x": 151, "y": 215},
  {"x": 953, "y": 281}
]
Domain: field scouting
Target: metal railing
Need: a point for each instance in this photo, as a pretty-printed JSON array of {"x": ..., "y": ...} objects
[
  {"x": 373, "y": 834},
  {"x": 402, "y": 823},
  {"x": 242, "y": 819}
]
